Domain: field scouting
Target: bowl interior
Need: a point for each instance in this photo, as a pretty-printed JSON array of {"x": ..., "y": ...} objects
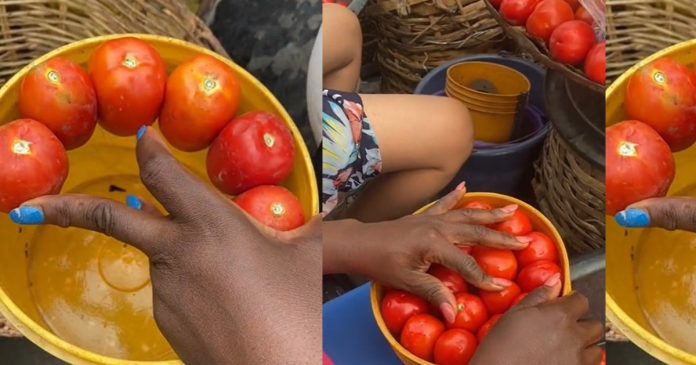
[{"x": 488, "y": 79}]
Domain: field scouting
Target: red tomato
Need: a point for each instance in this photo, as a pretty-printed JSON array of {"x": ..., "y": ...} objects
[
  {"x": 398, "y": 306},
  {"x": 33, "y": 160},
  {"x": 540, "y": 248},
  {"x": 254, "y": 149},
  {"x": 548, "y": 15},
  {"x": 420, "y": 333},
  {"x": 570, "y": 42},
  {"x": 453, "y": 281},
  {"x": 471, "y": 313},
  {"x": 496, "y": 3},
  {"x": 573, "y": 3},
  {"x": 477, "y": 205},
  {"x": 202, "y": 96},
  {"x": 535, "y": 274},
  {"x": 60, "y": 94},
  {"x": 663, "y": 95},
  {"x": 455, "y": 347},
  {"x": 596, "y": 63},
  {"x": 495, "y": 262},
  {"x": 584, "y": 15},
  {"x": 517, "y": 225},
  {"x": 639, "y": 165},
  {"x": 501, "y": 301},
  {"x": 516, "y": 12},
  {"x": 273, "y": 206},
  {"x": 518, "y": 299},
  {"x": 483, "y": 331},
  {"x": 129, "y": 77}
]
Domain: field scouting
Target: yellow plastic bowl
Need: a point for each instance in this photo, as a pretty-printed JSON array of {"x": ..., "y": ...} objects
[
  {"x": 15, "y": 298},
  {"x": 539, "y": 222},
  {"x": 488, "y": 80},
  {"x": 624, "y": 247},
  {"x": 490, "y": 125},
  {"x": 486, "y": 100}
]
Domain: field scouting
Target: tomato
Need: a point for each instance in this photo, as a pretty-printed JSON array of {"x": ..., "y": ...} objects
[
  {"x": 477, "y": 205},
  {"x": 516, "y": 12},
  {"x": 273, "y": 206},
  {"x": 33, "y": 160},
  {"x": 570, "y": 42},
  {"x": 455, "y": 347},
  {"x": 495, "y": 262},
  {"x": 517, "y": 225},
  {"x": 535, "y": 274},
  {"x": 663, "y": 95},
  {"x": 483, "y": 331},
  {"x": 453, "y": 281},
  {"x": 596, "y": 63},
  {"x": 60, "y": 94},
  {"x": 398, "y": 306},
  {"x": 202, "y": 97},
  {"x": 604, "y": 357},
  {"x": 501, "y": 301},
  {"x": 471, "y": 312},
  {"x": 129, "y": 77},
  {"x": 639, "y": 165},
  {"x": 540, "y": 248},
  {"x": 574, "y": 4},
  {"x": 518, "y": 299},
  {"x": 254, "y": 149},
  {"x": 496, "y": 3},
  {"x": 420, "y": 333},
  {"x": 582, "y": 14},
  {"x": 548, "y": 15}
]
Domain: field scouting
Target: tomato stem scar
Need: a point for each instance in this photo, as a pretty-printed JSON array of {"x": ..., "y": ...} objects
[
  {"x": 659, "y": 77},
  {"x": 130, "y": 62},
  {"x": 277, "y": 209},
  {"x": 627, "y": 149},
  {"x": 21, "y": 147},
  {"x": 53, "y": 76},
  {"x": 209, "y": 85},
  {"x": 268, "y": 140}
]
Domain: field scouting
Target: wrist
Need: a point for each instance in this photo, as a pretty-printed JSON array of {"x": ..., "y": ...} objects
[{"x": 341, "y": 242}]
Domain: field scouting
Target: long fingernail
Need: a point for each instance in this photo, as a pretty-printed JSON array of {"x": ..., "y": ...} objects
[
  {"x": 501, "y": 283},
  {"x": 461, "y": 186},
  {"x": 133, "y": 202},
  {"x": 27, "y": 215},
  {"x": 141, "y": 132},
  {"x": 633, "y": 218},
  {"x": 524, "y": 239},
  {"x": 510, "y": 208},
  {"x": 447, "y": 312},
  {"x": 553, "y": 280}
]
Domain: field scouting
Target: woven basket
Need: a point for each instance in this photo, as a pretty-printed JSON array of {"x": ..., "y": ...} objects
[
  {"x": 416, "y": 36},
  {"x": 639, "y": 28},
  {"x": 30, "y": 28}
]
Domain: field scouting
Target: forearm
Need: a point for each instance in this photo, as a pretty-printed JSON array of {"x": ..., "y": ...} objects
[{"x": 340, "y": 243}]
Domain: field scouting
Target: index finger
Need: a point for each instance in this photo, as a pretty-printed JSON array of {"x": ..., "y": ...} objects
[{"x": 668, "y": 213}]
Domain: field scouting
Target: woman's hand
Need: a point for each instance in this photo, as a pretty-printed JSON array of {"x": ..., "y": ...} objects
[
  {"x": 544, "y": 329},
  {"x": 399, "y": 253},
  {"x": 668, "y": 213},
  {"x": 223, "y": 286}
]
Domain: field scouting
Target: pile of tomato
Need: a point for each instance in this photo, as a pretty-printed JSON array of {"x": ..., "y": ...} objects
[
  {"x": 660, "y": 105},
  {"x": 565, "y": 28},
  {"x": 420, "y": 328},
  {"x": 125, "y": 87}
]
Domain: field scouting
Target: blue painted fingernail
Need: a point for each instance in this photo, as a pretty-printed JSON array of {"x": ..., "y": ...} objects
[
  {"x": 141, "y": 132},
  {"x": 26, "y": 215},
  {"x": 633, "y": 218},
  {"x": 133, "y": 202}
]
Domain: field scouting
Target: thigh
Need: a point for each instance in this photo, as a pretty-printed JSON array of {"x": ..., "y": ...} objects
[{"x": 342, "y": 48}]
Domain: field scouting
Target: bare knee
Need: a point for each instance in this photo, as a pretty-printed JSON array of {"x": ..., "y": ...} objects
[
  {"x": 458, "y": 141},
  {"x": 342, "y": 38}
]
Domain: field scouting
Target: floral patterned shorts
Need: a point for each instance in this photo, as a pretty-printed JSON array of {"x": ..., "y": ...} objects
[{"x": 351, "y": 154}]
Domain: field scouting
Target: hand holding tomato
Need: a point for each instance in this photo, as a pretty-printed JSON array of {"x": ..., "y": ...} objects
[{"x": 669, "y": 213}]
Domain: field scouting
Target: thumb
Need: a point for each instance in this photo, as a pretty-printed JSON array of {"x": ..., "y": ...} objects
[
  {"x": 668, "y": 213},
  {"x": 431, "y": 289},
  {"x": 448, "y": 201},
  {"x": 550, "y": 290}
]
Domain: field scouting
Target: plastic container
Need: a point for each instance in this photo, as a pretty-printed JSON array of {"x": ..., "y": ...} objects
[
  {"x": 94, "y": 167},
  {"x": 629, "y": 252},
  {"x": 538, "y": 221}
]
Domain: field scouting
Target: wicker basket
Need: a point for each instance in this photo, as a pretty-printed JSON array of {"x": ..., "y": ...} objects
[
  {"x": 29, "y": 29},
  {"x": 639, "y": 28},
  {"x": 416, "y": 36}
]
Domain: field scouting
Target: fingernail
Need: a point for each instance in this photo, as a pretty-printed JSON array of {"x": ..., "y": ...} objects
[
  {"x": 633, "y": 218},
  {"x": 524, "y": 239},
  {"x": 502, "y": 283},
  {"x": 509, "y": 208},
  {"x": 554, "y": 280},
  {"x": 26, "y": 215},
  {"x": 133, "y": 202},
  {"x": 447, "y": 312},
  {"x": 141, "y": 132},
  {"x": 461, "y": 186}
]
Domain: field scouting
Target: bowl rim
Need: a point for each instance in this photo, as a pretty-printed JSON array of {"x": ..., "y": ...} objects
[
  {"x": 452, "y": 68},
  {"x": 630, "y": 328},
  {"x": 44, "y": 338}
]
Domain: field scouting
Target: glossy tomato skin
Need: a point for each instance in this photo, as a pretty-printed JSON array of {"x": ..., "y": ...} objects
[
  {"x": 499, "y": 302},
  {"x": 548, "y": 15},
  {"x": 516, "y": 12},
  {"x": 274, "y": 206},
  {"x": 254, "y": 149},
  {"x": 535, "y": 274},
  {"x": 496, "y": 262},
  {"x": 596, "y": 63},
  {"x": 420, "y": 333},
  {"x": 398, "y": 306},
  {"x": 639, "y": 165},
  {"x": 490, "y": 323},
  {"x": 477, "y": 205},
  {"x": 540, "y": 248},
  {"x": 582, "y": 14},
  {"x": 33, "y": 163},
  {"x": 129, "y": 78},
  {"x": 455, "y": 347},
  {"x": 450, "y": 278},
  {"x": 663, "y": 95},
  {"x": 60, "y": 94},
  {"x": 471, "y": 312},
  {"x": 517, "y": 225},
  {"x": 571, "y": 41},
  {"x": 202, "y": 97}
]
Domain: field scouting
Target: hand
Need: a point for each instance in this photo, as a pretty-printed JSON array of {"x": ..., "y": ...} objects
[
  {"x": 223, "y": 286},
  {"x": 399, "y": 253},
  {"x": 543, "y": 329},
  {"x": 668, "y": 213}
]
